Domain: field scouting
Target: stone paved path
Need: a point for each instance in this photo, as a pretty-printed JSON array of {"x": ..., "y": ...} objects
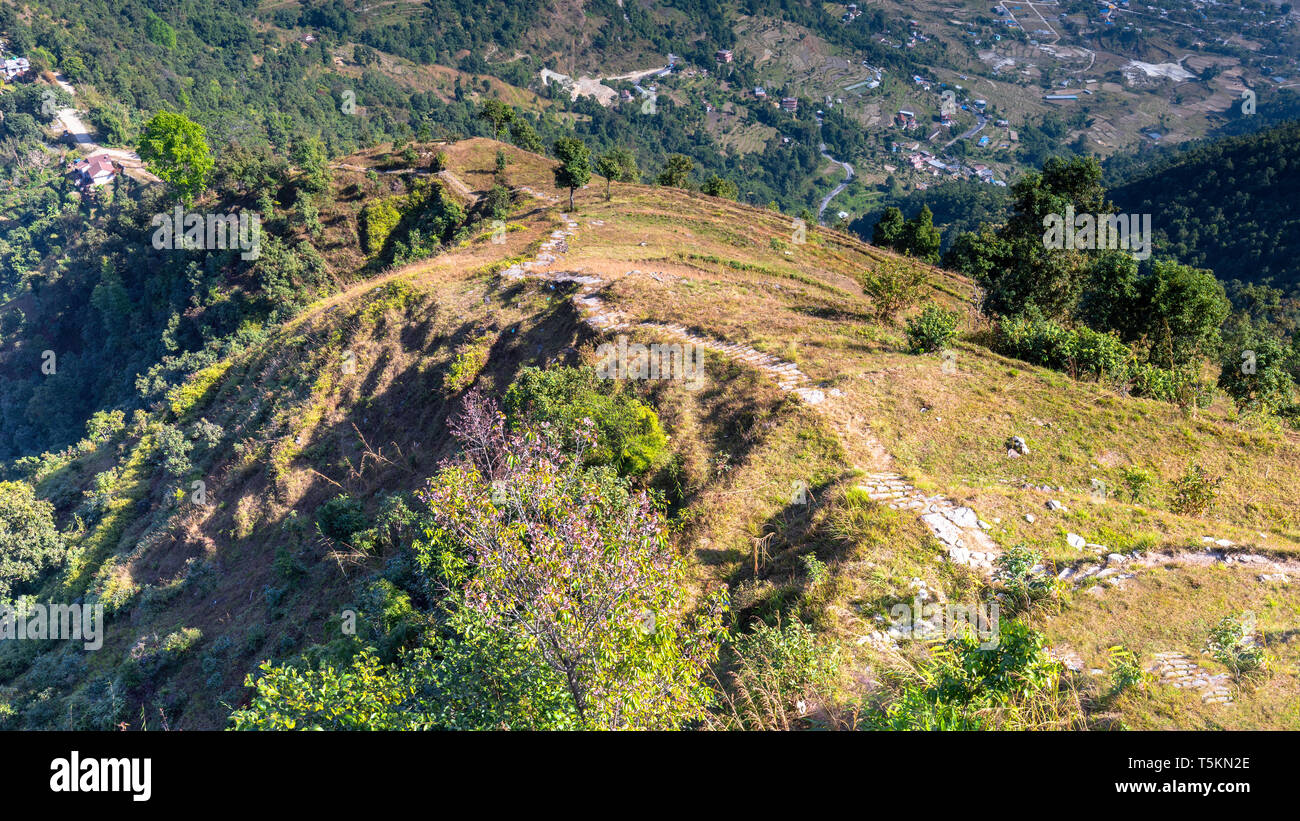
[
  {"x": 1177, "y": 669},
  {"x": 957, "y": 527}
]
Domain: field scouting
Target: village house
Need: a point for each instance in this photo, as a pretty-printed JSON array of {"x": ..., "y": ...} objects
[
  {"x": 790, "y": 104},
  {"x": 16, "y": 67},
  {"x": 94, "y": 170},
  {"x": 723, "y": 55}
]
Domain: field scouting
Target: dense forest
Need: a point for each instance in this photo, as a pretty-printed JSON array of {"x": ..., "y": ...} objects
[{"x": 1223, "y": 205}]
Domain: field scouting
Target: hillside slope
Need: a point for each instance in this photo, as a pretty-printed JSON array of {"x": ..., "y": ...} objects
[
  {"x": 807, "y": 398},
  {"x": 1223, "y": 205}
]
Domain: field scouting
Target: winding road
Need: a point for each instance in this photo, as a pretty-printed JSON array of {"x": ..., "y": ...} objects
[{"x": 848, "y": 178}]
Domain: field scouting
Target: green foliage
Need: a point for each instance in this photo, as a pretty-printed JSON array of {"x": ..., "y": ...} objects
[
  {"x": 525, "y": 136},
  {"x": 378, "y": 221},
  {"x": 888, "y": 232},
  {"x": 574, "y": 169},
  {"x": 1137, "y": 483},
  {"x": 1232, "y": 643},
  {"x": 617, "y": 164},
  {"x": 628, "y": 434},
  {"x": 920, "y": 238},
  {"x": 158, "y": 32},
  {"x": 676, "y": 172},
  {"x": 1014, "y": 686},
  {"x": 934, "y": 330},
  {"x": 716, "y": 186},
  {"x": 363, "y": 695},
  {"x": 174, "y": 450},
  {"x": 894, "y": 286},
  {"x": 776, "y": 675},
  {"x": 341, "y": 518},
  {"x": 1024, "y": 587},
  {"x": 1257, "y": 376},
  {"x": 498, "y": 114},
  {"x": 587, "y": 581},
  {"x": 1012, "y": 263},
  {"x": 176, "y": 149},
  {"x": 1077, "y": 351},
  {"x": 29, "y": 541},
  {"x": 468, "y": 363},
  {"x": 1194, "y": 492},
  {"x": 1126, "y": 670},
  {"x": 1183, "y": 308},
  {"x": 497, "y": 202}
]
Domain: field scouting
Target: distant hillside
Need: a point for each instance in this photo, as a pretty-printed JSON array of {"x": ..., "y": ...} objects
[{"x": 1226, "y": 205}]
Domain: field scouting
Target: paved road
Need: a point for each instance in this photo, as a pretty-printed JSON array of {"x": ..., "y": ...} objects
[
  {"x": 848, "y": 177},
  {"x": 971, "y": 132}
]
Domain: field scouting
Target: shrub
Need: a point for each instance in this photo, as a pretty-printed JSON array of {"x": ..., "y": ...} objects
[
  {"x": 1137, "y": 482},
  {"x": 777, "y": 673},
  {"x": 893, "y": 286},
  {"x": 1015, "y": 685},
  {"x": 1076, "y": 351},
  {"x": 1194, "y": 491},
  {"x": 378, "y": 221},
  {"x": 28, "y": 536},
  {"x": 1182, "y": 386},
  {"x": 1126, "y": 670},
  {"x": 1022, "y": 585},
  {"x": 933, "y": 330},
  {"x": 341, "y": 517},
  {"x": 468, "y": 363},
  {"x": 1232, "y": 643},
  {"x": 174, "y": 451},
  {"x": 592, "y": 585},
  {"x": 628, "y": 434}
]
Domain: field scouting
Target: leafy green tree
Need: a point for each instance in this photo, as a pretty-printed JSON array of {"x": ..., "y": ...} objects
[
  {"x": 309, "y": 155},
  {"x": 1110, "y": 299},
  {"x": 158, "y": 32},
  {"x": 590, "y": 583},
  {"x": 920, "y": 238},
  {"x": 894, "y": 285},
  {"x": 1015, "y": 267},
  {"x": 574, "y": 170},
  {"x": 716, "y": 186},
  {"x": 1183, "y": 309},
  {"x": 617, "y": 164},
  {"x": 29, "y": 541},
  {"x": 498, "y": 114},
  {"x": 1256, "y": 375},
  {"x": 525, "y": 136},
  {"x": 628, "y": 436},
  {"x": 176, "y": 149},
  {"x": 888, "y": 232},
  {"x": 676, "y": 173}
]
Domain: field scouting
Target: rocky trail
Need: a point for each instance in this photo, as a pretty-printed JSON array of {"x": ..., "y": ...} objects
[{"x": 958, "y": 528}]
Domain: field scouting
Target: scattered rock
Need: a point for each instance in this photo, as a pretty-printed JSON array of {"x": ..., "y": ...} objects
[
  {"x": 1015, "y": 443},
  {"x": 1052, "y": 504},
  {"x": 1075, "y": 540},
  {"x": 1029, "y": 517}
]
